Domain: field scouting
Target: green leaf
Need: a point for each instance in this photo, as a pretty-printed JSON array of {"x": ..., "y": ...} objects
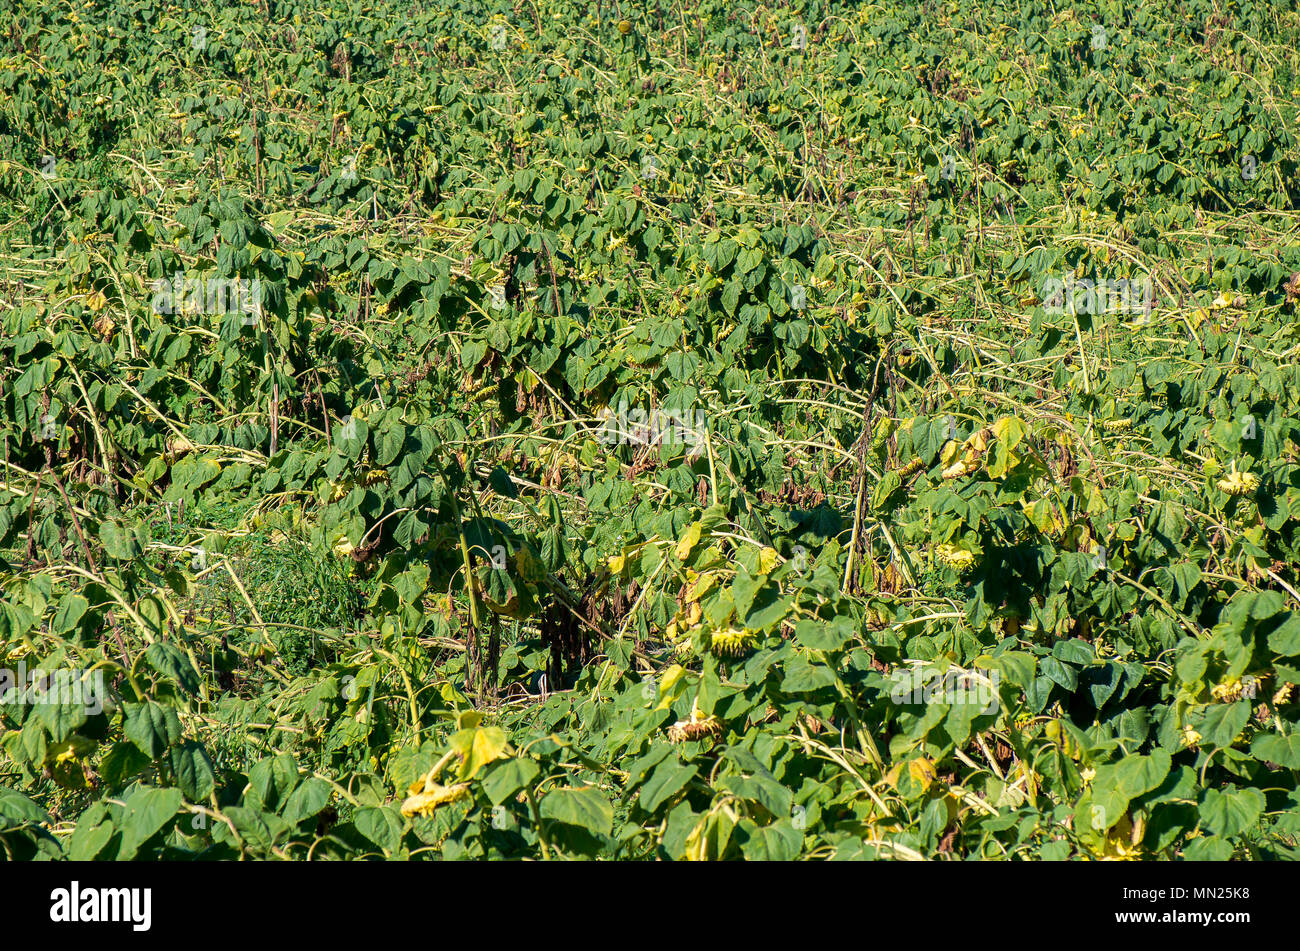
[
  {"x": 16, "y": 809},
  {"x": 119, "y": 541},
  {"x": 1283, "y": 750},
  {"x": 1286, "y": 638},
  {"x": 90, "y": 836},
  {"x": 824, "y": 635},
  {"x": 1061, "y": 674},
  {"x": 121, "y": 763},
  {"x": 71, "y": 610},
  {"x": 508, "y": 778},
  {"x": 307, "y": 799},
  {"x": 151, "y": 727},
  {"x": 272, "y": 779},
  {"x": 390, "y": 445},
  {"x": 147, "y": 811},
  {"x": 802, "y": 676},
  {"x": 668, "y": 779},
  {"x": 1169, "y": 821},
  {"x": 1136, "y": 774},
  {"x": 587, "y": 808},
  {"x": 1223, "y": 722},
  {"x": 883, "y": 493},
  {"x": 61, "y": 719},
  {"x": 1208, "y": 848},
  {"x": 778, "y": 842},
  {"x": 774, "y": 797},
  {"x": 170, "y": 661},
  {"x": 731, "y": 297},
  {"x": 193, "y": 770},
  {"x": 382, "y": 825},
  {"x": 1231, "y": 812}
]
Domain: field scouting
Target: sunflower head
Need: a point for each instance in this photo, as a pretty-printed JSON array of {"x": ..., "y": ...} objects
[
  {"x": 695, "y": 728},
  {"x": 913, "y": 466},
  {"x": 954, "y": 557},
  {"x": 732, "y": 642},
  {"x": 1239, "y": 483},
  {"x": 1227, "y": 691},
  {"x": 426, "y": 796}
]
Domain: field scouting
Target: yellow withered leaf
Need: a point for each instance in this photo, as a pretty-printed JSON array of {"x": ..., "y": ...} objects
[
  {"x": 922, "y": 771},
  {"x": 690, "y": 538},
  {"x": 529, "y": 566},
  {"x": 1009, "y": 430},
  {"x": 343, "y": 545},
  {"x": 672, "y": 678},
  {"x": 701, "y": 585},
  {"x": 478, "y": 747}
]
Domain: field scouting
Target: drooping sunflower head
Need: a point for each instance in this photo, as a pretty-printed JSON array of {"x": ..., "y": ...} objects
[
  {"x": 426, "y": 796},
  {"x": 732, "y": 642},
  {"x": 695, "y": 728},
  {"x": 1239, "y": 483},
  {"x": 954, "y": 557},
  {"x": 1228, "y": 691}
]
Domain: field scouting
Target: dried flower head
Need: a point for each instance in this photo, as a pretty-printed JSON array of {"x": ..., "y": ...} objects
[
  {"x": 1292, "y": 287},
  {"x": 694, "y": 728},
  {"x": 1228, "y": 691},
  {"x": 1239, "y": 483}
]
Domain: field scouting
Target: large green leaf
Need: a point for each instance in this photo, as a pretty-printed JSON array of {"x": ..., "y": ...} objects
[{"x": 586, "y": 807}]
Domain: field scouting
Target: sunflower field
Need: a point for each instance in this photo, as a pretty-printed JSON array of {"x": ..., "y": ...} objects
[{"x": 712, "y": 430}]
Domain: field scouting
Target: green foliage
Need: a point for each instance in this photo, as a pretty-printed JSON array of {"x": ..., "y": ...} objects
[{"x": 460, "y": 432}]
